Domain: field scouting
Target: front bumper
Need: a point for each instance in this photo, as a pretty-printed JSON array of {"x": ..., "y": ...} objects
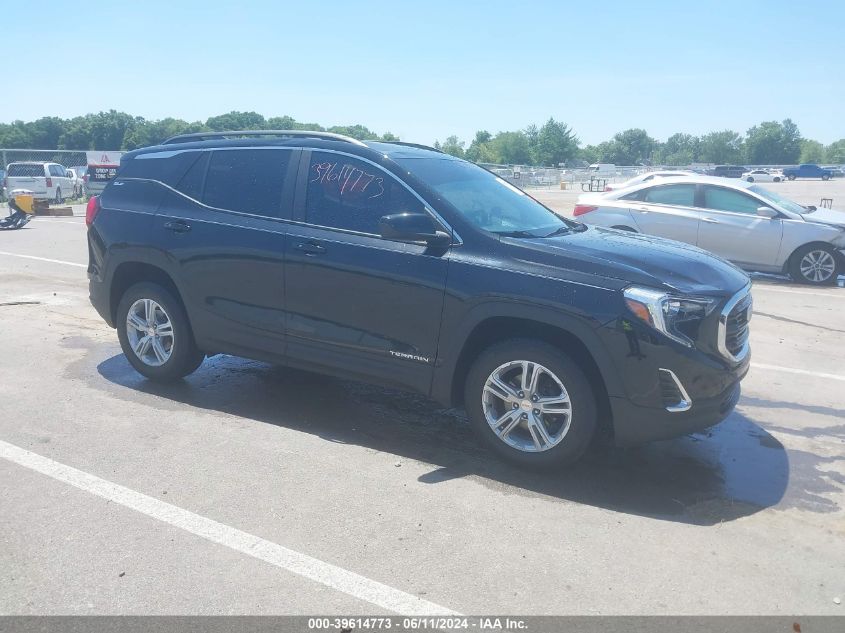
[
  {"x": 634, "y": 424},
  {"x": 641, "y": 412}
]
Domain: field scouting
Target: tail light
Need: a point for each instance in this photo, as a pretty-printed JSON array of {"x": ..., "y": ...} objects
[
  {"x": 49, "y": 182},
  {"x": 581, "y": 209},
  {"x": 92, "y": 209}
]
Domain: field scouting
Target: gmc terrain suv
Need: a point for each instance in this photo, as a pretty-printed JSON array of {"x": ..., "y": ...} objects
[{"x": 396, "y": 264}]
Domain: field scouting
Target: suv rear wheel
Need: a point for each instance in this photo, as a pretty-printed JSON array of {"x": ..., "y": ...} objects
[
  {"x": 531, "y": 403},
  {"x": 155, "y": 334}
]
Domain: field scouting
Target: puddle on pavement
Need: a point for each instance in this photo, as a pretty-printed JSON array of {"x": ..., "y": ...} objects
[{"x": 735, "y": 469}]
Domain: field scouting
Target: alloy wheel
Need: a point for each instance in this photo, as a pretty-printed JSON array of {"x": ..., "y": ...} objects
[
  {"x": 817, "y": 266},
  {"x": 527, "y": 406},
  {"x": 150, "y": 332}
]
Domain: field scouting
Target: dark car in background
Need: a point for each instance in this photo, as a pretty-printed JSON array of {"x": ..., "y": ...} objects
[
  {"x": 728, "y": 171},
  {"x": 400, "y": 265}
]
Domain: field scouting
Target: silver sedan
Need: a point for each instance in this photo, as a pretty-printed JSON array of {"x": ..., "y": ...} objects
[{"x": 742, "y": 222}]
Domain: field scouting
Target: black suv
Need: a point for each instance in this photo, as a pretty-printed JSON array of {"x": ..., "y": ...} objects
[{"x": 397, "y": 264}]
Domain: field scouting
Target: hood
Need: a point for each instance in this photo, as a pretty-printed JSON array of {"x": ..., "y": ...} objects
[
  {"x": 826, "y": 216},
  {"x": 633, "y": 258}
]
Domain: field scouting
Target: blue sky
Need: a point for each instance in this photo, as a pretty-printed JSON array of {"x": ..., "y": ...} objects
[{"x": 425, "y": 70}]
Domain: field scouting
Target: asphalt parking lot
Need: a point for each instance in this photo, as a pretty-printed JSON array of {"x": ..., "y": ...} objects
[{"x": 254, "y": 489}]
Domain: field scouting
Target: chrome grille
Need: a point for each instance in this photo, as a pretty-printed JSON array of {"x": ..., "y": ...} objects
[{"x": 733, "y": 326}]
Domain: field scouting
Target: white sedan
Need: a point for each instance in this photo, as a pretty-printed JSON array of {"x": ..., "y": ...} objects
[
  {"x": 762, "y": 175},
  {"x": 647, "y": 177}
]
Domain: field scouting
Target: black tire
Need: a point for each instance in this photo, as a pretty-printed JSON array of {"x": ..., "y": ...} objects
[
  {"x": 791, "y": 177},
  {"x": 583, "y": 411},
  {"x": 798, "y": 257},
  {"x": 776, "y": 179},
  {"x": 825, "y": 177},
  {"x": 750, "y": 179},
  {"x": 184, "y": 355},
  {"x": 58, "y": 198},
  {"x": 620, "y": 227}
]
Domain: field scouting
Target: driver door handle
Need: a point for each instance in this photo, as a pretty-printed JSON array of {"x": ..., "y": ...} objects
[
  {"x": 710, "y": 220},
  {"x": 177, "y": 226},
  {"x": 310, "y": 248}
]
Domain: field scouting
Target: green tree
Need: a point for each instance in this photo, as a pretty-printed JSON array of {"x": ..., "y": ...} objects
[
  {"x": 478, "y": 150},
  {"x": 510, "y": 148},
  {"x": 554, "y": 143},
  {"x": 235, "y": 120},
  {"x": 812, "y": 151},
  {"x": 631, "y": 147},
  {"x": 835, "y": 152},
  {"x": 773, "y": 143},
  {"x": 721, "y": 148},
  {"x": 679, "y": 149},
  {"x": 361, "y": 132},
  {"x": 14, "y": 135},
  {"x": 452, "y": 146},
  {"x": 589, "y": 154}
]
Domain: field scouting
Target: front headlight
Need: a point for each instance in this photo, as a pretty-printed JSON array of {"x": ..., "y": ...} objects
[{"x": 675, "y": 316}]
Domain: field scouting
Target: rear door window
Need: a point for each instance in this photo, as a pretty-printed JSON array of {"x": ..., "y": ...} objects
[
  {"x": 676, "y": 195},
  {"x": 247, "y": 180}
]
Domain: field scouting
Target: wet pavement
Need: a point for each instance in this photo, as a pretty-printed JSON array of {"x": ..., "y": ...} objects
[{"x": 744, "y": 518}]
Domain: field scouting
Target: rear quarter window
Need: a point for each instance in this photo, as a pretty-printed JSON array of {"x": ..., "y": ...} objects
[{"x": 166, "y": 167}]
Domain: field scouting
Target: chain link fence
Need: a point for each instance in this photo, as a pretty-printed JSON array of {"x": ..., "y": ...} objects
[
  {"x": 68, "y": 158},
  {"x": 584, "y": 179}
]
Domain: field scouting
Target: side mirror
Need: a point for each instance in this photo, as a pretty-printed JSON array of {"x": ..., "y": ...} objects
[
  {"x": 767, "y": 212},
  {"x": 413, "y": 227}
]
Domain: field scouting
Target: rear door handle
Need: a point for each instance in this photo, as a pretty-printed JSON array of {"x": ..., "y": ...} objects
[
  {"x": 710, "y": 220},
  {"x": 640, "y": 209},
  {"x": 177, "y": 226},
  {"x": 310, "y": 248}
]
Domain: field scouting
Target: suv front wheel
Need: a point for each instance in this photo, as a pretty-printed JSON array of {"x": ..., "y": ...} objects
[
  {"x": 531, "y": 403},
  {"x": 155, "y": 334}
]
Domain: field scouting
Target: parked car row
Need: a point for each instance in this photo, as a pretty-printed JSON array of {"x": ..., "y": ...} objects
[
  {"x": 54, "y": 182},
  {"x": 757, "y": 229}
]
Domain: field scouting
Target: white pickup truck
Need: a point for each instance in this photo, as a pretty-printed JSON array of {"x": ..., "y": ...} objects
[{"x": 46, "y": 181}]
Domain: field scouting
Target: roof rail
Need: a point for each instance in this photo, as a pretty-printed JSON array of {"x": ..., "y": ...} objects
[
  {"x": 417, "y": 145},
  {"x": 207, "y": 136}
]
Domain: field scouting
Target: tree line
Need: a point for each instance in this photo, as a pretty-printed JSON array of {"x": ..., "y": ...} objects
[
  {"x": 550, "y": 144},
  {"x": 768, "y": 143}
]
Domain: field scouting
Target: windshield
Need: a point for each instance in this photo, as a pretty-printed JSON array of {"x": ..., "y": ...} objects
[
  {"x": 485, "y": 200},
  {"x": 783, "y": 203}
]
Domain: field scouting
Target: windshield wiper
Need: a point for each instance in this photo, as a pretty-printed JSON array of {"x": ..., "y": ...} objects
[
  {"x": 515, "y": 234},
  {"x": 559, "y": 231}
]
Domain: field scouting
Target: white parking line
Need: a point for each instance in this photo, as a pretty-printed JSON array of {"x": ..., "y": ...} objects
[
  {"x": 835, "y": 294},
  {"x": 803, "y": 372},
  {"x": 324, "y": 573},
  {"x": 44, "y": 259}
]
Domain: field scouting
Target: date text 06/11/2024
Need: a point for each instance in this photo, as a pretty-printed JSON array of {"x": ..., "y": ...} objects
[{"x": 417, "y": 623}]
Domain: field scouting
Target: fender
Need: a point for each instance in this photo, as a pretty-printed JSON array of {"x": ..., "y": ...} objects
[{"x": 454, "y": 338}]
